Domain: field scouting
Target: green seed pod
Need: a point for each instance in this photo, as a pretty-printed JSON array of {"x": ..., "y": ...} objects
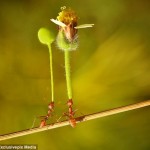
[
  {"x": 45, "y": 36},
  {"x": 64, "y": 44}
]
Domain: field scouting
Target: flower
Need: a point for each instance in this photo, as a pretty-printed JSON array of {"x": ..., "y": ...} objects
[{"x": 67, "y": 21}]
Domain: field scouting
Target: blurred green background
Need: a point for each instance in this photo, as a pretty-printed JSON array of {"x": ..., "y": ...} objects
[{"x": 111, "y": 68}]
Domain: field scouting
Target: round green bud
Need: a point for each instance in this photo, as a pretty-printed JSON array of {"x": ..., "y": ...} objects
[{"x": 45, "y": 36}]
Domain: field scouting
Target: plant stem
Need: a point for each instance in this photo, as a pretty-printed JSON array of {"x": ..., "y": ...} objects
[
  {"x": 51, "y": 72},
  {"x": 68, "y": 76},
  {"x": 78, "y": 120}
]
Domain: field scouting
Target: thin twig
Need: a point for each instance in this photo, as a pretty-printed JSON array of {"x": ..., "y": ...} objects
[{"x": 78, "y": 119}]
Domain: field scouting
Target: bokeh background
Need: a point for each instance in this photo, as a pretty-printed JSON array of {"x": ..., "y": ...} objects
[{"x": 111, "y": 68}]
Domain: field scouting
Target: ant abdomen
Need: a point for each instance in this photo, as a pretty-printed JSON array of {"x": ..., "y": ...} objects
[
  {"x": 72, "y": 122},
  {"x": 43, "y": 123}
]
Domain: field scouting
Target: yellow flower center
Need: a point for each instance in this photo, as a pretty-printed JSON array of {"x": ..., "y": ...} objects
[{"x": 68, "y": 16}]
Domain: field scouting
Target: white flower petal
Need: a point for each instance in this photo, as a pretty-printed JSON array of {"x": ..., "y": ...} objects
[
  {"x": 58, "y": 22},
  {"x": 84, "y": 26}
]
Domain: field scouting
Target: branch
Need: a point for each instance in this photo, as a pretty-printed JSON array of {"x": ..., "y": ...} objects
[{"x": 78, "y": 120}]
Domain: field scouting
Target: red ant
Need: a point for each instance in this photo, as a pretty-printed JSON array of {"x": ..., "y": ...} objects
[
  {"x": 49, "y": 114},
  {"x": 71, "y": 113}
]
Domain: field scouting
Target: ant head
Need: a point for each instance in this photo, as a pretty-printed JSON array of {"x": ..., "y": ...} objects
[
  {"x": 51, "y": 105},
  {"x": 70, "y": 102}
]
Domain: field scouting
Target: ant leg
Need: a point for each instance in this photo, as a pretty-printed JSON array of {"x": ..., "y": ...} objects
[
  {"x": 64, "y": 114},
  {"x": 33, "y": 122},
  {"x": 74, "y": 111},
  {"x": 59, "y": 119}
]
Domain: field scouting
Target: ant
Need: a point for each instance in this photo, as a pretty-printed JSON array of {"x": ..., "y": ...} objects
[
  {"x": 49, "y": 114},
  {"x": 70, "y": 113}
]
